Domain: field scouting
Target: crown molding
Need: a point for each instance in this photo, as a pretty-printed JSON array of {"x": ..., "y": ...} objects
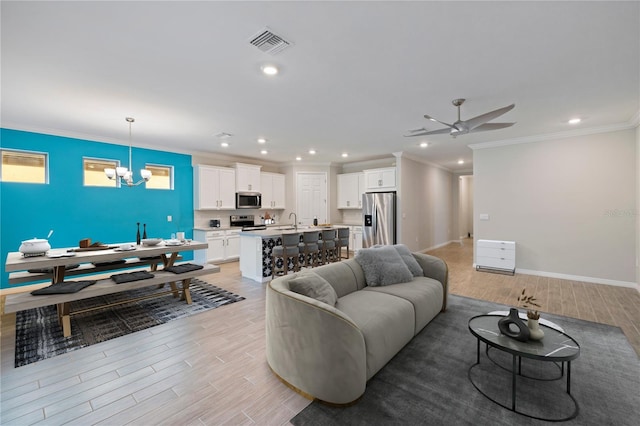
[
  {"x": 554, "y": 136},
  {"x": 422, "y": 161}
]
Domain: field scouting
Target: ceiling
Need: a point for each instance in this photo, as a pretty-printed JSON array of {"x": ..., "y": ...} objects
[{"x": 357, "y": 77}]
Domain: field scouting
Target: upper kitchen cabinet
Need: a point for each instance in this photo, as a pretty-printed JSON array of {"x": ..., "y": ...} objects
[
  {"x": 351, "y": 186},
  {"x": 378, "y": 180},
  {"x": 247, "y": 178},
  {"x": 272, "y": 187},
  {"x": 214, "y": 188}
]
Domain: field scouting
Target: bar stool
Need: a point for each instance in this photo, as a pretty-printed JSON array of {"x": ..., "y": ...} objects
[
  {"x": 328, "y": 245},
  {"x": 342, "y": 241},
  {"x": 310, "y": 248},
  {"x": 288, "y": 250}
]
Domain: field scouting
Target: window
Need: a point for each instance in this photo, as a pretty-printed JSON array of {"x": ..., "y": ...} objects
[
  {"x": 161, "y": 177},
  {"x": 93, "y": 172},
  {"x": 24, "y": 166}
]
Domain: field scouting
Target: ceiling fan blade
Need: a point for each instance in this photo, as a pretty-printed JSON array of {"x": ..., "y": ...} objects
[
  {"x": 491, "y": 126},
  {"x": 474, "y": 122},
  {"x": 428, "y": 117},
  {"x": 424, "y": 132}
]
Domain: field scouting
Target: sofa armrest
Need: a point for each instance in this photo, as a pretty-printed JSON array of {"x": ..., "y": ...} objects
[
  {"x": 314, "y": 347},
  {"x": 436, "y": 268}
]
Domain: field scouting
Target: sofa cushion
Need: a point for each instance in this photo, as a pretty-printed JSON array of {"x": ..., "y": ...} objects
[
  {"x": 409, "y": 260},
  {"x": 345, "y": 277},
  {"x": 312, "y": 285},
  {"x": 382, "y": 265},
  {"x": 426, "y": 295},
  {"x": 386, "y": 322}
]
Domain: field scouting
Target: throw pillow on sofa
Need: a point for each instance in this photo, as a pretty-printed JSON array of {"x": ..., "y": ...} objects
[
  {"x": 409, "y": 260},
  {"x": 313, "y": 285},
  {"x": 382, "y": 265}
]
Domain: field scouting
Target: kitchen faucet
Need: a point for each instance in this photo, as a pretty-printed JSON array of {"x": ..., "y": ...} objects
[{"x": 295, "y": 220}]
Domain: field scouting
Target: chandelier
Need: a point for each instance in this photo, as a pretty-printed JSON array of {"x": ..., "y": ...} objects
[{"x": 124, "y": 174}]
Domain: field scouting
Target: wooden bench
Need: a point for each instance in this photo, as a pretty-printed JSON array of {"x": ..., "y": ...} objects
[
  {"x": 22, "y": 301},
  {"x": 85, "y": 269}
]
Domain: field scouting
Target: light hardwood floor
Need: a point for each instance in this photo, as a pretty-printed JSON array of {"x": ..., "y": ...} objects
[{"x": 210, "y": 368}]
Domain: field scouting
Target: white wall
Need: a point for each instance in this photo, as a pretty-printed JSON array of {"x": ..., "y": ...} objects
[
  {"x": 425, "y": 205},
  {"x": 568, "y": 204},
  {"x": 465, "y": 206},
  {"x": 638, "y": 207}
]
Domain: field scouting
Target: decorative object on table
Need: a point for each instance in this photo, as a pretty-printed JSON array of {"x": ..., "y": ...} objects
[
  {"x": 151, "y": 241},
  {"x": 125, "y": 175},
  {"x": 505, "y": 323},
  {"x": 38, "y": 335},
  {"x": 84, "y": 243},
  {"x": 34, "y": 247},
  {"x": 144, "y": 232},
  {"x": 315, "y": 221},
  {"x": 138, "y": 234},
  {"x": 529, "y": 303}
]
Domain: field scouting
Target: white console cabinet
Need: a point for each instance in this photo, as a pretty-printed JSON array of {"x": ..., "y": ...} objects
[{"x": 496, "y": 256}]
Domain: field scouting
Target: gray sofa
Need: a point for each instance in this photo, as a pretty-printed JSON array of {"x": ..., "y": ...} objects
[{"x": 329, "y": 352}]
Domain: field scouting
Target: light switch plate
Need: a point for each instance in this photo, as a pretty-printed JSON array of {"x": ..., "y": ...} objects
[{"x": 484, "y": 216}]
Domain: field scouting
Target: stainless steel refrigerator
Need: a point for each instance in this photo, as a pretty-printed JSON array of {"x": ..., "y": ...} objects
[{"x": 379, "y": 215}]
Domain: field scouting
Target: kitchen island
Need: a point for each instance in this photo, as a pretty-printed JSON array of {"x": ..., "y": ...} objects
[{"x": 256, "y": 249}]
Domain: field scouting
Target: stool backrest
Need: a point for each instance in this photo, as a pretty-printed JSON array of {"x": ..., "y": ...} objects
[
  {"x": 310, "y": 237},
  {"x": 343, "y": 233},
  {"x": 328, "y": 234},
  {"x": 290, "y": 240}
]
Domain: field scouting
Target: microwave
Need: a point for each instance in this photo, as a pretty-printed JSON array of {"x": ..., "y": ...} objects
[{"x": 248, "y": 200}]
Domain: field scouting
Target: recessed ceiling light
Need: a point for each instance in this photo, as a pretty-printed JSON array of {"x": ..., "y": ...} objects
[
  {"x": 424, "y": 145},
  {"x": 269, "y": 69},
  {"x": 262, "y": 140},
  {"x": 298, "y": 158},
  {"x": 312, "y": 151},
  {"x": 345, "y": 155},
  {"x": 264, "y": 152},
  {"x": 574, "y": 121},
  {"x": 460, "y": 161},
  {"x": 224, "y": 144}
]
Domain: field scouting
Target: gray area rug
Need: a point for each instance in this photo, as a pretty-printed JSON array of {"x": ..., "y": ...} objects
[
  {"x": 39, "y": 335},
  {"x": 427, "y": 382}
]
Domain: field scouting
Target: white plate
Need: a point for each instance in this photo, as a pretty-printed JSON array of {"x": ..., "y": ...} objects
[
  {"x": 121, "y": 249},
  {"x": 173, "y": 242}
]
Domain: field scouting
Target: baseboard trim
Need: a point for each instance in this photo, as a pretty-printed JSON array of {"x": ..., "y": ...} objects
[
  {"x": 594, "y": 280},
  {"x": 424, "y": 250}
]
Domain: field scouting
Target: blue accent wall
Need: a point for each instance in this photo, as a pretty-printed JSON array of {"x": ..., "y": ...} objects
[{"x": 75, "y": 212}]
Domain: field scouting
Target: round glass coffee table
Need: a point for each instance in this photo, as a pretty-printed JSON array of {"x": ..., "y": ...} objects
[{"x": 556, "y": 347}]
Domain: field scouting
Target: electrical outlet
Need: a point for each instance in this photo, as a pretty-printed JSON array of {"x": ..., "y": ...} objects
[{"x": 169, "y": 218}]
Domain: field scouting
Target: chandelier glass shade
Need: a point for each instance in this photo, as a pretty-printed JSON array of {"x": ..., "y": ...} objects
[{"x": 124, "y": 174}]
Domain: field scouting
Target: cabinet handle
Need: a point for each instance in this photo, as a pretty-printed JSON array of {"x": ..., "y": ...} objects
[
  {"x": 379, "y": 182},
  {"x": 348, "y": 203},
  {"x": 249, "y": 187}
]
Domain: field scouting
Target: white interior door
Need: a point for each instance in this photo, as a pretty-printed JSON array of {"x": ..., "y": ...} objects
[{"x": 311, "y": 197}]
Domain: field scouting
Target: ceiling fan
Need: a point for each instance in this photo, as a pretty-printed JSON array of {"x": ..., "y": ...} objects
[{"x": 462, "y": 127}]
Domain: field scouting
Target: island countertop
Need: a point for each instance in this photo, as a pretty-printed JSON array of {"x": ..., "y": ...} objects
[{"x": 280, "y": 230}]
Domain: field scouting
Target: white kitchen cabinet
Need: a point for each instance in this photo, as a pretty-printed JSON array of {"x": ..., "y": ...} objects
[
  {"x": 351, "y": 186},
  {"x": 273, "y": 193},
  {"x": 223, "y": 246},
  {"x": 494, "y": 255},
  {"x": 356, "y": 237},
  {"x": 383, "y": 179},
  {"x": 214, "y": 188},
  {"x": 247, "y": 178}
]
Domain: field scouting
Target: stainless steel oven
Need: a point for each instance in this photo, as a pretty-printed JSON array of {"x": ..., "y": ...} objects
[{"x": 248, "y": 200}]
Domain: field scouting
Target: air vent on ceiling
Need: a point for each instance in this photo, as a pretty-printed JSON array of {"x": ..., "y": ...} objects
[{"x": 269, "y": 42}]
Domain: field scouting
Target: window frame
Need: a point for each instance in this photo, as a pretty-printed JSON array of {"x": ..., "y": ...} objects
[
  {"x": 117, "y": 164},
  {"x": 25, "y": 151},
  {"x": 171, "y": 169}
]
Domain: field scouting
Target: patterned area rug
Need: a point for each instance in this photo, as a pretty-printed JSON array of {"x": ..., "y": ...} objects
[{"x": 39, "y": 336}]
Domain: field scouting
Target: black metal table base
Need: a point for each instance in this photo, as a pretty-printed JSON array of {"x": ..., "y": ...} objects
[{"x": 516, "y": 369}]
